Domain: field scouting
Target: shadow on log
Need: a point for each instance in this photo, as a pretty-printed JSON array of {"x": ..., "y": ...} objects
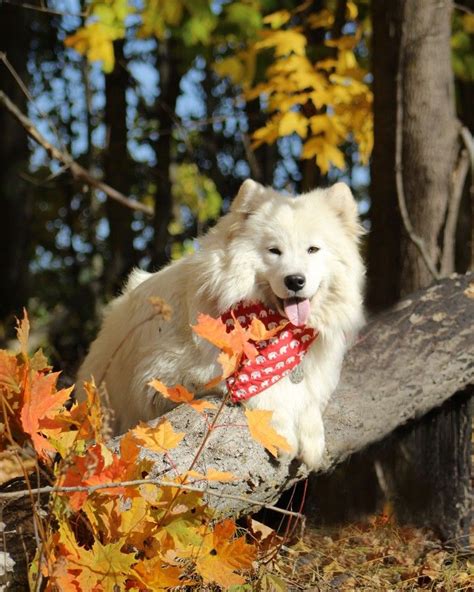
[{"x": 407, "y": 362}]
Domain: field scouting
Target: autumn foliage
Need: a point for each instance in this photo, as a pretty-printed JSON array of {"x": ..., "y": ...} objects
[{"x": 108, "y": 526}]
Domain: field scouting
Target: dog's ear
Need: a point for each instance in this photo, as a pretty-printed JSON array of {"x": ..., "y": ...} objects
[
  {"x": 248, "y": 195},
  {"x": 343, "y": 203}
]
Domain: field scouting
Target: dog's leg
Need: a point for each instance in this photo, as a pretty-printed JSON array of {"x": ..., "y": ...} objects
[{"x": 311, "y": 437}]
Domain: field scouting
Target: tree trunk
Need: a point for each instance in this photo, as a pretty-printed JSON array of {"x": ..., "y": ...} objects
[
  {"x": 407, "y": 362},
  {"x": 117, "y": 174},
  {"x": 412, "y": 55},
  {"x": 15, "y": 198},
  {"x": 169, "y": 69}
]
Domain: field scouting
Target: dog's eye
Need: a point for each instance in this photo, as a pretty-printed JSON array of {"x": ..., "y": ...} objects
[
  {"x": 274, "y": 250},
  {"x": 312, "y": 250}
]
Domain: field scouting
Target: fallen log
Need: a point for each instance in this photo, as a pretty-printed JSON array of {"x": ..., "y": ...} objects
[{"x": 407, "y": 361}]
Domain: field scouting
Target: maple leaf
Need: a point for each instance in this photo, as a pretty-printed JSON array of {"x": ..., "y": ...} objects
[
  {"x": 9, "y": 373},
  {"x": 260, "y": 429},
  {"x": 234, "y": 344},
  {"x": 104, "y": 568},
  {"x": 97, "y": 466},
  {"x": 23, "y": 333},
  {"x": 277, "y": 19},
  {"x": 179, "y": 394},
  {"x": 324, "y": 152},
  {"x": 293, "y": 121},
  {"x": 95, "y": 40},
  {"x": 160, "y": 438},
  {"x": 42, "y": 401},
  {"x": 284, "y": 42},
  {"x": 220, "y": 556},
  {"x": 213, "y": 475},
  {"x": 154, "y": 574}
]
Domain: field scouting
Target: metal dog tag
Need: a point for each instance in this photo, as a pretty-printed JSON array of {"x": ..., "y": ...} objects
[{"x": 297, "y": 374}]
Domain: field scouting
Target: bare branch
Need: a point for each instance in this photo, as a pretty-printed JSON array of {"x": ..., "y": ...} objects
[
  {"x": 78, "y": 172},
  {"x": 46, "y": 10},
  {"x": 137, "y": 482},
  {"x": 416, "y": 240}
]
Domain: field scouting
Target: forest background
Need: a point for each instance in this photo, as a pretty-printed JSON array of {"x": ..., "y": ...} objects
[{"x": 173, "y": 104}]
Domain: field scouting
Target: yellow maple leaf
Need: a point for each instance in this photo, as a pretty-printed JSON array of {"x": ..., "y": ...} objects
[
  {"x": 162, "y": 437},
  {"x": 103, "y": 567},
  {"x": 267, "y": 134},
  {"x": 283, "y": 42},
  {"x": 323, "y": 18},
  {"x": 95, "y": 41},
  {"x": 260, "y": 429},
  {"x": 325, "y": 153},
  {"x": 231, "y": 67},
  {"x": 293, "y": 121},
  {"x": 277, "y": 19}
]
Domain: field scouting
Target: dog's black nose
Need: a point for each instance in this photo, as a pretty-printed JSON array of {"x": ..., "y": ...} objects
[{"x": 295, "y": 282}]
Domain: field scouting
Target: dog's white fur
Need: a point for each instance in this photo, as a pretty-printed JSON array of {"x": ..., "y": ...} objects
[{"x": 233, "y": 264}]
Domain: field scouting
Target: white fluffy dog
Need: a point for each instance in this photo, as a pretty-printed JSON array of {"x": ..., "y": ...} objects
[{"x": 298, "y": 255}]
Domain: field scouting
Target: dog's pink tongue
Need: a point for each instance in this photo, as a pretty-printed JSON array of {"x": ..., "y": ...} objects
[{"x": 297, "y": 311}]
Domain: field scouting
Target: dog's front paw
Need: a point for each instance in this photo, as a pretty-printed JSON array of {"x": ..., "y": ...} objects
[
  {"x": 292, "y": 440},
  {"x": 312, "y": 451},
  {"x": 312, "y": 442}
]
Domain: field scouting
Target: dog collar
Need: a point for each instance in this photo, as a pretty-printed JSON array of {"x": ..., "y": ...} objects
[{"x": 276, "y": 357}]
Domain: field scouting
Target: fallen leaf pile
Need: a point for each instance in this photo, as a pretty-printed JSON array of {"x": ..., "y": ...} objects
[{"x": 372, "y": 557}]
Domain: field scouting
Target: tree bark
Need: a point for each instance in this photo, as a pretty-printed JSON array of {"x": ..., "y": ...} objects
[
  {"x": 170, "y": 78},
  {"x": 117, "y": 174},
  {"x": 407, "y": 361},
  {"x": 416, "y": 144}
]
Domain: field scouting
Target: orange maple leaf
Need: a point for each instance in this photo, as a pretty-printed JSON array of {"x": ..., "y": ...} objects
[
  {"x": 212, "y": 475},
  {"x": 179, "y": 394},
  {"x": 97, "y": 466},
  {"x": 154, "y": 574},
  {"x": 260, "y": 429},
  {"x": 233, "y": 344},
  {"x": 161, "y": 437},
  {"x": 220, "y": 556},
  {"x": 41, "y": 403}
]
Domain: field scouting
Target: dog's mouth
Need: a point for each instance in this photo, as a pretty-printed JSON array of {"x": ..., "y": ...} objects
[{"x": 296, "y": 310}]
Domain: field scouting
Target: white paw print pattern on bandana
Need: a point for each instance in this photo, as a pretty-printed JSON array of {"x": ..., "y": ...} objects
[{"x": 276, "y": 357}]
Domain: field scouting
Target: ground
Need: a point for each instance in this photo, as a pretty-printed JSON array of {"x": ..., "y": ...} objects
[{"x": 373, "y": 556}]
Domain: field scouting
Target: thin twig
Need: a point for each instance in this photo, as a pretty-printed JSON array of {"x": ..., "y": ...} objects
[
  {"x": 45, "y": 9},
  {"x": 136, "y": 483},
  {"x": 66, "y": 159},
  {"x": 463, "y": 8},
  {"x": 416, "y": 240},
  {"x": 251, "y": 158}
]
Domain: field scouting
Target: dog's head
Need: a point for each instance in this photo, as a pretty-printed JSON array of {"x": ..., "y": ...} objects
[
  {"x": 298, "y": 254},
  {"x": 302, "y": 252}
]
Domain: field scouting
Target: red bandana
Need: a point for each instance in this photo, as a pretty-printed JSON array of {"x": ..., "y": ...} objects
[{"x": 276, "y": 357}]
